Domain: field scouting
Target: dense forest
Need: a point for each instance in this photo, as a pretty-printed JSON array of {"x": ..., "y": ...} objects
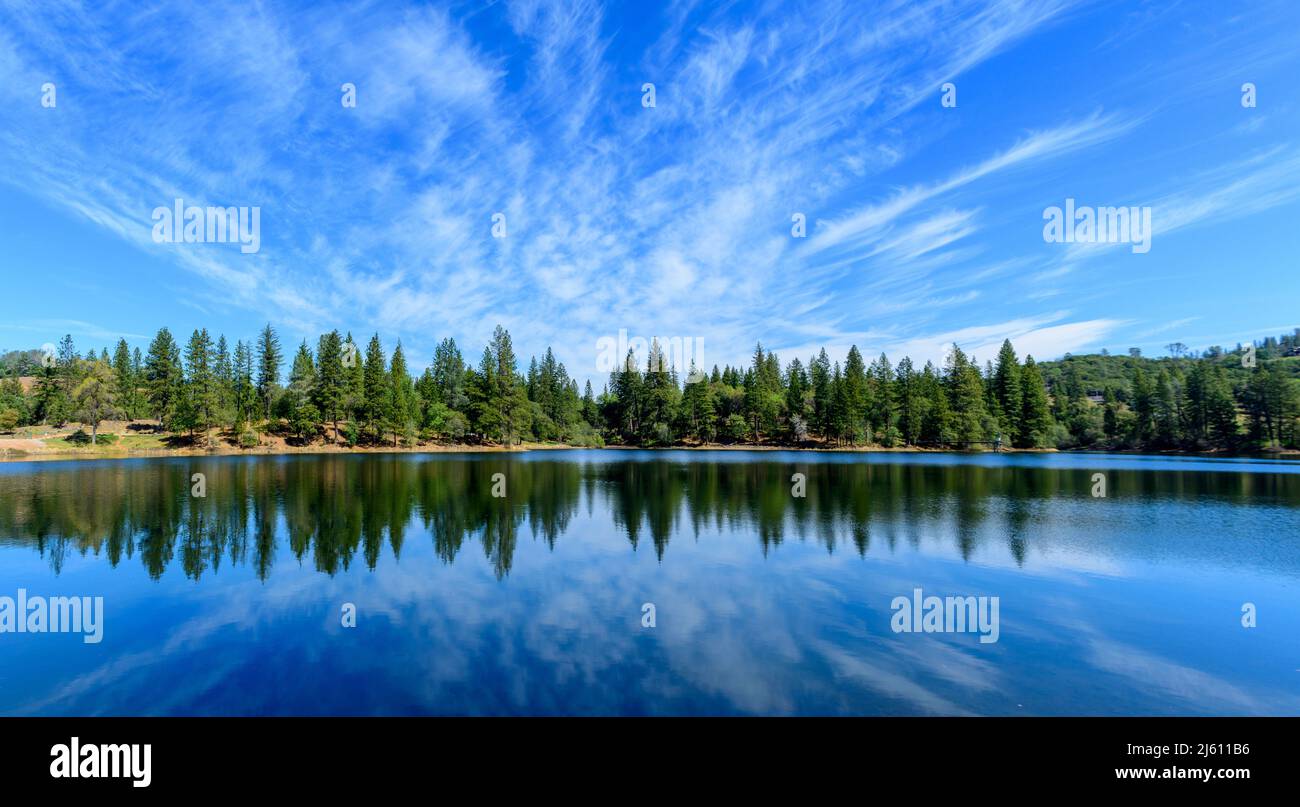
[{"x": 1244, "y": 399}]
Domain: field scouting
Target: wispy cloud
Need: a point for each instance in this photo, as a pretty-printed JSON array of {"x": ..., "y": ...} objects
[{"x": 668, "y": 220}]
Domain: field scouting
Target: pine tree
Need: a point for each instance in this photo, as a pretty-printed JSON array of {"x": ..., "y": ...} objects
[
  {"x": 910, "y": 402},
  {"x": 302, "y": 413},
  {"x": 511, "y": 398},
  {"x": 354, "y": 388},
  {"x": 487, "y": 420},
  {"x": 819, "y": 373},
  {"x": 623, "y": 407},
  {"x": 1008, "y": 392},
  {"x": 67, "y": 375},
  {"x": 164, "y": 377},
  {"x": 52, "y": 405},
  {"x": 67, "y": 355},
  {"x": 589, "y": 411},
  {"x": 1144, "y": 407},
  {"x": 698, "y": 411},
  {"x": 764, "y": 397},
  {"x": 1167, "y": 410},
  {"x": 378, "y": 391},
  {"x": 124, "y": 379},
  {"x": 965, "y": 397},
  {"x": 1111, "y": 414},
  {"x": 883, "y": 413},
  {"x": 1036, "y": 416},
  {"x": 201, "y": 382},
  {"x": 1272, "y": 403},
  {"x": 268, "y": 366},
  {"x": 245, "y": 391},
  {"x": 331, "y": 379},
  {"x": 856, "y": 428},
  {"x": 797, "y": 389},
  {"x": 402, "y": 401},
  {"x": 937, "y": 426},
  {"x": 840, "y": 415},
  {"x": 659, "y": 399},
  {"x": 1221, "y": 410},
  {"x": 224, "y": 372},
  {"x": 558, "y": 399}
]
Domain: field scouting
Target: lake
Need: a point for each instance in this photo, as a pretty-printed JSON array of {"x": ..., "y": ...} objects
[{"x": 655, "y": 583}]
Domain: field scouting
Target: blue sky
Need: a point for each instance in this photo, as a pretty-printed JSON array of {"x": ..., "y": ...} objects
[{"x": 925, "y": 222}]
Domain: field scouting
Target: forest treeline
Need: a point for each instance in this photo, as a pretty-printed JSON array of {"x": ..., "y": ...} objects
[{"x": 1244, "y": 399}]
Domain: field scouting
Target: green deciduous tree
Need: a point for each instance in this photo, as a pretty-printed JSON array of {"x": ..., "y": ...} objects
[{"x": 96, "y": 397}]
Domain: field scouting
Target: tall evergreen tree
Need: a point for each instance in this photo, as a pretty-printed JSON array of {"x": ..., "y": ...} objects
[
  {"x": 354, "y": 372},
  {"x": 855, "y": 427},
  {"x": 965, "y": 390},
  {"x": 1008, "y": 392},
  {"x": 302, "y": 412},
  {"x": 331, "y": 379},
  {"x": 1036, "y": 416},
  {"x": 223, "y": 370},
  {"x": 52, "y": 404},
  {"x": 487, "y": 417},
  {"x": 1271, "y": 402},
  {"x": 937, "y": 425},
  {"x": 67, "y": 355},
  {"x": 911, "y": 402},
  {"x": 163, "y": 376},
  {"x": 378, "y": 391},
  {"x": 1221, "y": 410},
  {"x": 245, "y": 391},
  {"x": 797, "y": 390},
  {"x": 201, "y": 381},
  {"x": 402, "y": 401},
  {"x": 883, "y": 413},
  {"x": 449, "y": 375},
  {"x": 589, "y": 411},
  {"x": 124, "y": 379},
  {"x": 1168, "y": 411},
  {"x": 510, "y": 396},
  {"x": 659, "y": 399},
  {"x": 819, "y": 374},
  {"x": 268, "y": 366},
  {"x": 1144, "y": 406}
]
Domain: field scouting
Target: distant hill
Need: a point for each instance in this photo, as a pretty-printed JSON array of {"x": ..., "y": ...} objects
[{"x": 1098, "y": 371}]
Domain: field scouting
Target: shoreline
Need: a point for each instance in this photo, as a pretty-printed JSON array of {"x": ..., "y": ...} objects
[{"x": 11, "y": 453}]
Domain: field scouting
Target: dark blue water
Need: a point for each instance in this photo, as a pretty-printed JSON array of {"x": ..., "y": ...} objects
[{"x": 764, "y": 602}]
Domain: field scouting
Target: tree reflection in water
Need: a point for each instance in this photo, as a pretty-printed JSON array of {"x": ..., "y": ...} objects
[{"x": 337, "y": 509}]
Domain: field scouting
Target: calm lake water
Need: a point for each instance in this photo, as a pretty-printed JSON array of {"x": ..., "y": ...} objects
[{"x": 764, "y": 602}]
